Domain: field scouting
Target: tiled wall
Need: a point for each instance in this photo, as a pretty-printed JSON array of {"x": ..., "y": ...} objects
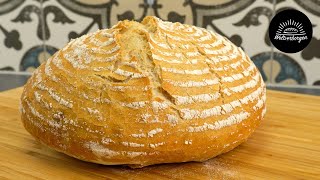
[{"x": 32, "y": 30}]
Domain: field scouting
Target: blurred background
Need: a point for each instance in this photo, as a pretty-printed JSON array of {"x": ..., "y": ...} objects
[{"x": 32, "y": 30}]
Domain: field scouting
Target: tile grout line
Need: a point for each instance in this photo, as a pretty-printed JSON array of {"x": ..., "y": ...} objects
[
  {"x": 43, "y": 30},
  {"x": 274, "y": 2}
]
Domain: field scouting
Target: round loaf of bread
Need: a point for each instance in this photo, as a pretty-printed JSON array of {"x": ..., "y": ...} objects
[{"x": 145, "y": 93}]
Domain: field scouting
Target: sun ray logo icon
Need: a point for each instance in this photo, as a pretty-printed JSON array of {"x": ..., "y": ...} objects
[
  {"x": 290, "y": 31},
  {"x": 290, "y": 27}
]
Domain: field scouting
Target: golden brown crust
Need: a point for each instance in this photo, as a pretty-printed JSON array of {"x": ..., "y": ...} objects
[{"x": 142, "y": 94}]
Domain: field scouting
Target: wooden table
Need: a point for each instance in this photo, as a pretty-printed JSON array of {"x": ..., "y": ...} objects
[{"x": 285, "y": 146}]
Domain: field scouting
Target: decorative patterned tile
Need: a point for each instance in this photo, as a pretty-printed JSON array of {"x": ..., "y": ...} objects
[
  {"x": 62, "y": 24},
  {"x": 132, "y": 10},
  {"x": 280, "y": 68},
  {"x": 302, "y": 67},
  {"x": 99, "y": 11},
  {"x": 17, "y": 35},
  {"x": 23, "y": 32},
  {"x": 174, "y": 11}
]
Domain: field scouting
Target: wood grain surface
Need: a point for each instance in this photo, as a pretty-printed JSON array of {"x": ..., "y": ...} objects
[{"x": 285, "y": 146}]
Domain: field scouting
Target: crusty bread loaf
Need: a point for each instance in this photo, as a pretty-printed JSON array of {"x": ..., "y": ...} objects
[{"x": 145, "y": 93}]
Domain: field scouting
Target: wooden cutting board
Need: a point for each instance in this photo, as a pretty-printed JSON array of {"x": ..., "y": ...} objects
[{"x": 285, "y": 146}]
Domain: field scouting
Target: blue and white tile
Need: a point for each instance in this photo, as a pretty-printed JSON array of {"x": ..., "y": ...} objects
[
  {"x": 131, "y": 10},
  {"x": 307, "y": 62},
  {"x": 174, "y": 11},
  {"x": 18, "y": 35},
  {"x": 64, "y": 24}
]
